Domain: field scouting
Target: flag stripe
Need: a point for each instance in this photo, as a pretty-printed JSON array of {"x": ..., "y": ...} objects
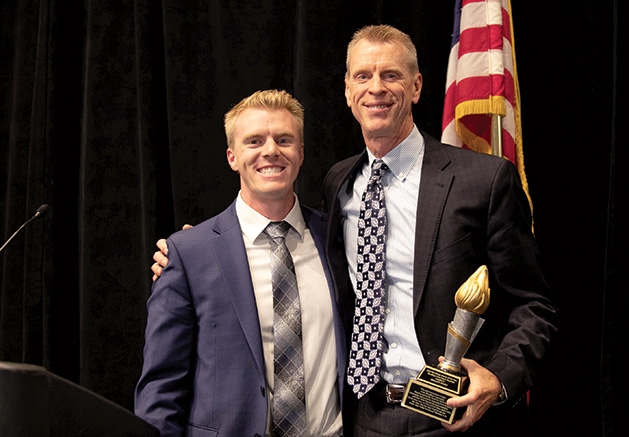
[
  {"x": 479, "y": 39},
  {"x": 482, "y": 81}
]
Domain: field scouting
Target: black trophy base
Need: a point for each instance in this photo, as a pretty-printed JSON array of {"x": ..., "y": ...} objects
[{"x": 427, "y": 394}]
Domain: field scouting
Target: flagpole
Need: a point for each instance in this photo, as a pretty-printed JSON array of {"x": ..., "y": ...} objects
[{"x": 496, "y": 135}]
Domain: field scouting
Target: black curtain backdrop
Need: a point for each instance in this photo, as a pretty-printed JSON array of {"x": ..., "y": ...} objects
[{"x": 111, "y": 112}]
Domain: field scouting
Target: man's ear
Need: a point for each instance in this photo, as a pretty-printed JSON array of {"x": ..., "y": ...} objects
[
  {"x": 417, "y": 85},
  {"x": 231, "y": 159}
]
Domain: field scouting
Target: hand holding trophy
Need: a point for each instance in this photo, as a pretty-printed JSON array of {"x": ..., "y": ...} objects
[{"x": 427, "y": 394}]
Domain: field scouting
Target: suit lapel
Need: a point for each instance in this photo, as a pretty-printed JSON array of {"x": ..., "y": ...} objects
[
  {"x": 346, "y": 173},
  {"x": 316, "y": 223},
  {"x": 433, "y": 192},
  {"x": 335, "y": 243},
  {"x": 229, "y": 249}
]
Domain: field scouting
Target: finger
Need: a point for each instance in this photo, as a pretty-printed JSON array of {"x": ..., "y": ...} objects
[
  {"x": 161, "y": 244},
  {"x": 457, "y": 426},
  {"x": 186, "y": 226},
  {"x": 160, "y": 259},
  {"x": 156, "y": 269},
  {"x": 157, "y": 256}
]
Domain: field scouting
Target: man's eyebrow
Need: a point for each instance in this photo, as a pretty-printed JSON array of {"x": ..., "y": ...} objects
[
  {"x": 287, "y": 134},
  {"x": 252, "y": 135}
]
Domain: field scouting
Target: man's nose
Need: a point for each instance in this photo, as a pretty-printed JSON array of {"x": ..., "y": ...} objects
[
  {"x": 375, "y": 85},
  {"x": 271, "y": 148}
]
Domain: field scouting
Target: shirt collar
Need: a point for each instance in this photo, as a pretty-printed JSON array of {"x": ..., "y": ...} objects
[
  {"x": 403, "y": 157},
  {"x": 252, "y": 223}
]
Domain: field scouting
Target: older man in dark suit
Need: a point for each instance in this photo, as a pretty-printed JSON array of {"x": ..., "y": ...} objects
[{"x": 441, "y": 212}]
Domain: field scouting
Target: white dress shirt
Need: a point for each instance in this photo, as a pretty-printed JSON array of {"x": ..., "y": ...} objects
[{"x": 323, "y": 410}]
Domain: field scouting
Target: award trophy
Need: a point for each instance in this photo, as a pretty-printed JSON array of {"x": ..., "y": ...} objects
[{"x": 428, "y": 392}]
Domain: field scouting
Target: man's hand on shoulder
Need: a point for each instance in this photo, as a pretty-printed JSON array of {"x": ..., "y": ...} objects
[{"x": 161, "y": 256}]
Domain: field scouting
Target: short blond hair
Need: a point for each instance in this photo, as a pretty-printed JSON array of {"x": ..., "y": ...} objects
[
  {"x": 265, "y": 99},
  {"x": 385, "y": 34}
]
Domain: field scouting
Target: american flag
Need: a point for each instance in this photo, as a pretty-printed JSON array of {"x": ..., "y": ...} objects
[{"x": 482, "y": 81}]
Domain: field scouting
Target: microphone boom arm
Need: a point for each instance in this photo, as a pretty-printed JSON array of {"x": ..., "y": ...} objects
[{"x": 42, "y": 210}]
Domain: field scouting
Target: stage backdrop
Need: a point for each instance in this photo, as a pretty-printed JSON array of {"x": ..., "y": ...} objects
[{"x": 111, "y": 113}]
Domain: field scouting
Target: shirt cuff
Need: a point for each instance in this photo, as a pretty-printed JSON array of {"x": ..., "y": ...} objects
[{"x": 502, "y": 397}]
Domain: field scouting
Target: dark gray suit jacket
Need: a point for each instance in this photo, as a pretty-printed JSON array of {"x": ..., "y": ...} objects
[{"x": 471, "y": 211}]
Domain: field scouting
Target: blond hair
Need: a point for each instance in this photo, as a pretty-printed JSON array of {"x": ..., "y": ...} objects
[
  {"x": 265, "y": 99},
  {"x": 385, "y": 34}
]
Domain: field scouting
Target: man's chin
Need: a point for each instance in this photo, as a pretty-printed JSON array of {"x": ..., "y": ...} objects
[
  {"x": 276, "y": 192},
  {"x": 377, "y": 128}
]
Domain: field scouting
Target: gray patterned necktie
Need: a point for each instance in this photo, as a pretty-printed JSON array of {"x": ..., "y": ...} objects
[
  {"x": 289, "y": 408},
  {"x": 367, "y": 336}
]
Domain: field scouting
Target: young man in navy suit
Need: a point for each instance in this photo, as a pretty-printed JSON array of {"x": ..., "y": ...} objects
[{"x": 209, "y": 348}]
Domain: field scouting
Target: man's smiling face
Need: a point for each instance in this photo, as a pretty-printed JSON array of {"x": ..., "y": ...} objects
[
  {"x": 380, "y": 89},
  {"x": 267, "y": 152}
]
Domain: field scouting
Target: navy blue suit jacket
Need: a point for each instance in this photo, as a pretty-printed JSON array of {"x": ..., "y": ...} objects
[{"x": 204, "y": 370}]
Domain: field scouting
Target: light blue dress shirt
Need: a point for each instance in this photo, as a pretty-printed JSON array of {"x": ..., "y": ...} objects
[{"x": 402, "y": 358}]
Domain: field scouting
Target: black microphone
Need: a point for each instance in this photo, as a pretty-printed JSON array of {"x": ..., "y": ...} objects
[{"x": 42, "y": 210}]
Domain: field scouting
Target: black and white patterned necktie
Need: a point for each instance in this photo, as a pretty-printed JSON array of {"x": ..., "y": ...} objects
[
  {"x": 289, "y": 394},
  {"x": 367, "y": 336}
]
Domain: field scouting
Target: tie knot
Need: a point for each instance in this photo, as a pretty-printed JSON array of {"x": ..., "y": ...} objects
[
  {"x": 277, "y": 229},
  {"x": 378, "y": 168}
]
